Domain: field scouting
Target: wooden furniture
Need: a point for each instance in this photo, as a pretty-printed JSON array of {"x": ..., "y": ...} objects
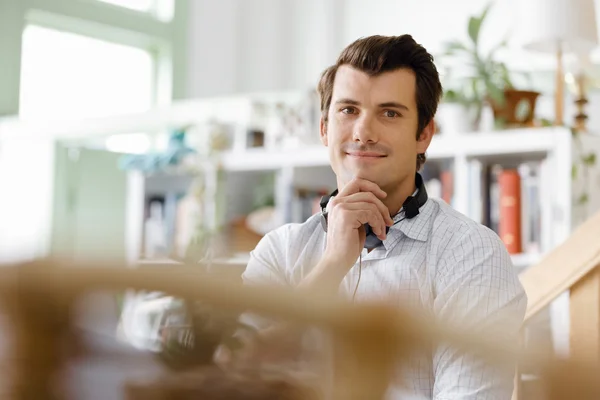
[
  {"x": 37, "y": 297},
  {"x": 572, "y": 268}
]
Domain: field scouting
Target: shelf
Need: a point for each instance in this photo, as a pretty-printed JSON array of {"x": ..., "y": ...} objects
[
  {"x": 525, "y": 260},
  {"x": 261, "y": 159},
  {"x": 515, "y": 143}
]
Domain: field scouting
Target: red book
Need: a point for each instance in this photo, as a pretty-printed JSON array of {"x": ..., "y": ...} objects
[
  {"x": 509, "y": 185},
  {"x": 447, "y": 186}
]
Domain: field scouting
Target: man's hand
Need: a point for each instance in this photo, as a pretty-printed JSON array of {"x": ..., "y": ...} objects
[{"x": 358, "y": 203}]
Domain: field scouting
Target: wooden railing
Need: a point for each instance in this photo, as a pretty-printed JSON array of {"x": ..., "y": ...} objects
[
  {"x": 573, "y": 267},
  {"x": 37, "y": 297}
]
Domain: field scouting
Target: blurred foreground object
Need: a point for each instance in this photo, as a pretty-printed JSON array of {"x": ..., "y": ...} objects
[{"x": 368, "y": 340}]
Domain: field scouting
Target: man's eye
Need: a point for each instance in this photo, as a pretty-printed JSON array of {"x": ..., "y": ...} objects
[
  {"x": 391, "y": 114},
  {"x": 348, "y": 110}
]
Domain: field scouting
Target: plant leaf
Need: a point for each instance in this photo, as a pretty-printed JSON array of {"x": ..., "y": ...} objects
[
  {"x": 590, "y": 159},
  {"x": 495, "y": 93},
  {"x": 574, "y": 132},
  {"x": 475, "y": 24},
  {"x": 453, "y": 47},
  {"x": 574, "y": 171}
]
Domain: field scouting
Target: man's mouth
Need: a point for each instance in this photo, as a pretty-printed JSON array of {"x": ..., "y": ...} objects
[{"x": 365, "y": 154}]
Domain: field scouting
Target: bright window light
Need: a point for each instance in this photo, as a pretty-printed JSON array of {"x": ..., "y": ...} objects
[
  {"x": 135, "y": 143},
  {"x": 67, "y": 76},
  {"x": 139, "y": 5},
  {"x": 163, "y": 9}
]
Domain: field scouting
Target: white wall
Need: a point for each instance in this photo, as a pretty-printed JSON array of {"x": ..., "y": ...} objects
[
  {"x": 429, "y": 21},
  {"x": 212, "y": 48},
  {"x": 317, "y": 30},
  {"x": 260, "y": 45},
  {"x": 263, "y": 45},
  {"x": 432, "y": 22}
]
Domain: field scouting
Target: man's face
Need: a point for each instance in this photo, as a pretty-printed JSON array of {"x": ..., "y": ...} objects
[{"x": 372, "y": 127}]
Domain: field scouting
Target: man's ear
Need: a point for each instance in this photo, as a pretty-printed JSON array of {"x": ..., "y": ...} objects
[
  {"x": 323, "y": 131},
  {"x": 425, "y": 138}
]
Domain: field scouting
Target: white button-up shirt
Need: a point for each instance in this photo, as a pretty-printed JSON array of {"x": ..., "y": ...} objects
[{"x": 440, "y": 260}]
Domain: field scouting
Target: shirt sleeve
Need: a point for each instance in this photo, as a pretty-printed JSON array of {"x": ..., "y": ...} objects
[
  {"x": 266, "y": 266},
  {"x": 477, "y": 289},
  {"x": 267, "y": 261}
]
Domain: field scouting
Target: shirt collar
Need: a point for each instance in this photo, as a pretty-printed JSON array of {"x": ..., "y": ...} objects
[{"x": 417, "y": 228}]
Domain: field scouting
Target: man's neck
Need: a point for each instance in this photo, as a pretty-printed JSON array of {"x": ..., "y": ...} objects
[{"x": 397, "y": 195}]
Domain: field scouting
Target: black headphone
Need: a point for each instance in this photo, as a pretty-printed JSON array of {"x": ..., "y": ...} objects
[{"x": 410, "y": 207}]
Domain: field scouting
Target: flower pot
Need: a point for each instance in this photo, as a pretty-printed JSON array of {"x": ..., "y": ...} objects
[
  {"x": 454, "y": 118},
  {"x": 518, "y": 108}
]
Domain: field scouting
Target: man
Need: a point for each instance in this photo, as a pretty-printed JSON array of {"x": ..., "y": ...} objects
[{"x": 378, "y": 103}]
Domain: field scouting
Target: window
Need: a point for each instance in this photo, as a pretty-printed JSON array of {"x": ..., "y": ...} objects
[
  {"x": 67, "y": 76},
  {"x": 139, "y": 5},
  {"x": 162, "y": 9}
]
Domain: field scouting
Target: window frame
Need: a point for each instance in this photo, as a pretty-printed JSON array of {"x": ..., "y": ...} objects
[{"x": 121, "y": 25}]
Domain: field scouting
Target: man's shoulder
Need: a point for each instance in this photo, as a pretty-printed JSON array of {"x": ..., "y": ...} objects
[
  {"x": 456, "y": 229},
  {"x": 297, "y": 232},
  {"x": 467, "y": 249}
]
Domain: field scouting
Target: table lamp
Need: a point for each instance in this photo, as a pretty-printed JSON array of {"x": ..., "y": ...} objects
[{"x": 559, "y": 27}]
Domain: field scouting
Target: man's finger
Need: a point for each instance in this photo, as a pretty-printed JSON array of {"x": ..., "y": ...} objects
[
  {"x": 365, "y": 213},
  {"x": 369, "y": 197},
  {"x": 357, "y": 185}
]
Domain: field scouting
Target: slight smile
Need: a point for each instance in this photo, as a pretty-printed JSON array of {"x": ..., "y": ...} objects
[{"x": 365, "y": 154}]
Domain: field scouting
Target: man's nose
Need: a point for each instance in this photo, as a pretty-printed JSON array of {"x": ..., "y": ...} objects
[{"x": 364, "y": 131}]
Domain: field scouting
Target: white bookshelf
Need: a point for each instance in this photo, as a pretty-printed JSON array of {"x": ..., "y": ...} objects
[
  {"x": 553, "y": 147},
  {"x": 514, "y": 143}
]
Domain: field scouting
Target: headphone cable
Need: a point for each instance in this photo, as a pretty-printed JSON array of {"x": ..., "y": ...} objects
[
  {"x": 359, "y": 274},
  {"x": 360, "y": 264}
]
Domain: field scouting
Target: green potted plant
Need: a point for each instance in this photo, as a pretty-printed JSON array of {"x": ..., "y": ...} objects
[
  {"x": 488, "y": 80},
  {"x": 455, "y": 114}
]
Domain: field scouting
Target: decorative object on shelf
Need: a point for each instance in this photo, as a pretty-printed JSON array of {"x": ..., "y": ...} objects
[
  {"x": 293, "y": 123},
  {"x": 558, "y": 27},
  {"x": 309, "y": 113},
  {"x": 210, "y": 138},
  {"x": 255, "y": 138},
  {"x": 454, "y": 114},
  {"x": 517, "y": 109},
  {"x": 581, "y": 100},
  {"x": 489, "y": 82},
  {"x": 282, "y": 126},
  {"x": 155, "y": 232},
  {"x": 175, "y": 155},
  {"x": 199, "y": 212}
]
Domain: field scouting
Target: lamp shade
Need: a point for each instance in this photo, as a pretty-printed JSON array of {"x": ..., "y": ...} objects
[{"x": 550, "y": 25}]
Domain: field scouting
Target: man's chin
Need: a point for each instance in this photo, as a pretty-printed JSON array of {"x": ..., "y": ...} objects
[{"x": 367, "y": 174}]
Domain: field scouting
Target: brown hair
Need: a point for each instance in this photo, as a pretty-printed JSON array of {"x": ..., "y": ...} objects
[{"x": 378, "y": 54}]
